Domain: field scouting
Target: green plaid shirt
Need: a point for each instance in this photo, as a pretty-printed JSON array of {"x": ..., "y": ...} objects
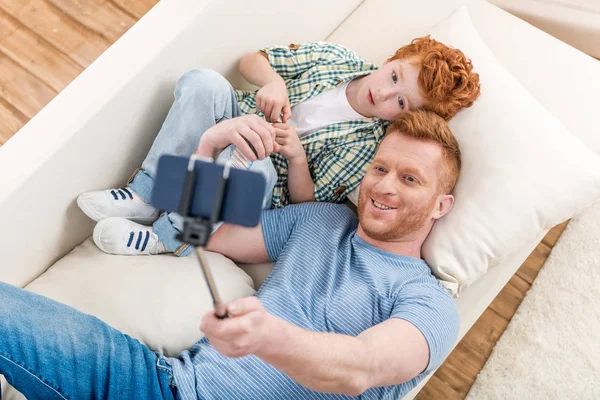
[{"x": 339, "y": 154}]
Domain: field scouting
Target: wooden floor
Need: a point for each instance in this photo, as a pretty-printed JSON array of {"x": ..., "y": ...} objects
[{"x": 45, "y": 44}]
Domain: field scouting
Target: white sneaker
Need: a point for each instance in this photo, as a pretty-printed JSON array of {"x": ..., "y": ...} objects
[
  {"x": 125, "y": 237},
  {"x": 124, "y": 203}
]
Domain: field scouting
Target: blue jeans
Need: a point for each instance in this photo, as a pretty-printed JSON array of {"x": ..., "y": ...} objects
[
  {"x": 202, "y": 99},
  {"x": 49, "y": 350}
]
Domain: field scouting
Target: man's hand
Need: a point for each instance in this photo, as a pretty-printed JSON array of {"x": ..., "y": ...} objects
[
  {"x": 289, "y": 143},
  {"x": 272, "y": 100},
  {"x": 240, "y": 131},
  {"x": 245, "y": 332}
]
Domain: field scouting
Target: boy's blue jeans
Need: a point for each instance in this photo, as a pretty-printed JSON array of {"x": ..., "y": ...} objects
[
  {"x": 202, "y": 98},
  {"x": 49, "y": 351}
]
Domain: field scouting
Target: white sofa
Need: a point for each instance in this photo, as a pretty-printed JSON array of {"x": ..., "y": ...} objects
[
  {"x": 576, "y": 22},
  {"x": 97, "y": 131}
]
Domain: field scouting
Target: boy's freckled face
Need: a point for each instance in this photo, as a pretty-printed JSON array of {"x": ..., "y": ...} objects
[{"x": 388, "y": 91}]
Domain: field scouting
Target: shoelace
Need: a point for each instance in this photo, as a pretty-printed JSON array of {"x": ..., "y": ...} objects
[
  {"x": 120, "y": 191},
  {"x": 139, "y": 240}
]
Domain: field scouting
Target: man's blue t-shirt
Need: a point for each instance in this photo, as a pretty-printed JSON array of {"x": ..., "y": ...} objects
[{"x": 326, "y": 279}]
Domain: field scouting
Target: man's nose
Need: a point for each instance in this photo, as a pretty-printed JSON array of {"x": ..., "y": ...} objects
[{"x": 387, "y": 185}]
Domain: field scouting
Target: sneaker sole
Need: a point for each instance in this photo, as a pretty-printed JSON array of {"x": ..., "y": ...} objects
[{"x": 92, "y": 214}]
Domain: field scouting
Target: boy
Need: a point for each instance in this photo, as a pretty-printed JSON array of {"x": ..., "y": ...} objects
[{"x": 333, "y": 106}]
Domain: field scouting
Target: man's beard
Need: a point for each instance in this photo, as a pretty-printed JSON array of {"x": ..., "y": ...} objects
[{"x": 406, "y": 223}]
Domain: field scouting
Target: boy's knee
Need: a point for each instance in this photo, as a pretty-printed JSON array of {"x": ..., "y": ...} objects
[{"x": 202, "y": 82}]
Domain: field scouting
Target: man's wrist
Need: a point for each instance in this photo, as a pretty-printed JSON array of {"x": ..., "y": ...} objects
[{"x": 274, "y": 334}]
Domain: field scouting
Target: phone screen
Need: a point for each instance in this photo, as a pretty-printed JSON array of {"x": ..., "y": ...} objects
[{"x": 244, "y": 191}]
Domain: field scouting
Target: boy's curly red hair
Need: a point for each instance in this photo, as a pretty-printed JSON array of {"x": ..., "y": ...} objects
[{"x": 446, "y": 78}]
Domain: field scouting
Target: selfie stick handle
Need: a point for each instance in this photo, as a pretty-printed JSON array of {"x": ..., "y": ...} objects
[
  {"x": 220, "y": 309},
  {"x": 197, "y": 231}
]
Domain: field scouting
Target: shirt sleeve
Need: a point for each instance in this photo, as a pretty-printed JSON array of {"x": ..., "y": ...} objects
[
  {"x": 432, "y": 310},
  {"x": 279, "y": 224},
  {"x": 295, "y": 59},
  {"x": 338, "y": 171}
]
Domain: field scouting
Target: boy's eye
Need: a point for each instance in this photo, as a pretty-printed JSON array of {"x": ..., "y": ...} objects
[
  {"x": 401, "y": 102},
  {"x": 394, "y": 77},
  {"x": 379, "y": 169}
]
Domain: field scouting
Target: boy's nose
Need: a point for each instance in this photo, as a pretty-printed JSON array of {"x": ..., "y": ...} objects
[{"x": 386, "y": 94}]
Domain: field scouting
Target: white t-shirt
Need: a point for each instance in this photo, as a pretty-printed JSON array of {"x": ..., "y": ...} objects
[{"x": 327, "y": 108}]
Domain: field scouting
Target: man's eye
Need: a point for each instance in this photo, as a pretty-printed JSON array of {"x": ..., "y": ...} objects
[
  {"x": 394, "y": 77},
  {"x": 410, "y": 179}
]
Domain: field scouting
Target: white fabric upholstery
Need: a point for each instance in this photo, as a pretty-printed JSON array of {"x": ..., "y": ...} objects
[
  {"x": 62, "y": 151},
  {"x": 159, "y": 300},
  {"x": 576, "y": 22},
  {"x": 523, "y": 172}
]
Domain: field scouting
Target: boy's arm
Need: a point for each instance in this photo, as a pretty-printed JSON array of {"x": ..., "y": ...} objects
[
  {"x": 271, "y": 67},
  {"x": 257, "y": 70},
  {"x": 272, "y": 98},
  {"x": 300, "y": 183}
]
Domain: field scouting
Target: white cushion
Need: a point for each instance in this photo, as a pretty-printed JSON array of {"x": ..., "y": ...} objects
[
  {"x": 159, "y": 300},
  {"x": 573, "y": 21},
  {"x": 523, "y": 172}
]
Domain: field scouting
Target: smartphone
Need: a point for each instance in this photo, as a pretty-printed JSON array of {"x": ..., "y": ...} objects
[{"x": 243, "y": 197}]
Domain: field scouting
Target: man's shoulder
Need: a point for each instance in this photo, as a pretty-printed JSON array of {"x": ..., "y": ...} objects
[
  {"x": 320, "y": 211},
  {"x": 325, "y": 208}
]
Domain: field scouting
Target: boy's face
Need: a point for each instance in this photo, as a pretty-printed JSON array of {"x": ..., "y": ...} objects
[{"x": 388, "y": 91}]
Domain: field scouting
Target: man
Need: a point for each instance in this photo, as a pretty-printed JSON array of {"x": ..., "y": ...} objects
[
  {"x": 334, "y": 107},
  {"x": 350, "y": 308}
]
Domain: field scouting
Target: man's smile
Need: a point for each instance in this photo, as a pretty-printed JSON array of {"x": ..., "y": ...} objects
[{"x": 381, "y": 206}]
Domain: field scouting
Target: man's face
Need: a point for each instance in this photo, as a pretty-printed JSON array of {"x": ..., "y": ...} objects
[
  {"x": 399, "y": 194},
  {"x": 390, "y": 90}
]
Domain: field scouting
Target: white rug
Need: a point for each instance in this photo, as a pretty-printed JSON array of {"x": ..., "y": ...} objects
[{"x": 551, "y": 348}]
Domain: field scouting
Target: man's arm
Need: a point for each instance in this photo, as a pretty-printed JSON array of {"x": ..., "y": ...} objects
[
  {"x": 390, "y": 353},
  {"x": 240, "y": 131},
  {"x": 241, "y": 244}
]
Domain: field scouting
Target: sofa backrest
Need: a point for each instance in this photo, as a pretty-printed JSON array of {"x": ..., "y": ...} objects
[{"x": 97, "y": 131}]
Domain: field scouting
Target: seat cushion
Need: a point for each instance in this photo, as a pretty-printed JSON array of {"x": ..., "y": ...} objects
[
  {"x": 159, "y": 300},
  {"x": 523, "y": 172}
]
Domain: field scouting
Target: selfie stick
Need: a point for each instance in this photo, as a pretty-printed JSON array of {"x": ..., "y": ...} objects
[{"x": 196, "y": 230}]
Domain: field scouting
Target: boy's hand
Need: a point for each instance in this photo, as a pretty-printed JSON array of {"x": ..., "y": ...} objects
[
  {"x": 240, "y": 131},
  {"x": 272, "y": 100},
  {"x": 289, "y": 143}
]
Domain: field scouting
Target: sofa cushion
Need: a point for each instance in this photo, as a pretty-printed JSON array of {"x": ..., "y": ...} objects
[
  {"x": 523, "y": 172},
  {"x": 159, "y": 300}
]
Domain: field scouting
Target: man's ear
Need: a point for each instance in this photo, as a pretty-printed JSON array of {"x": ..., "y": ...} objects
[{"x": 443, "y": 205}]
